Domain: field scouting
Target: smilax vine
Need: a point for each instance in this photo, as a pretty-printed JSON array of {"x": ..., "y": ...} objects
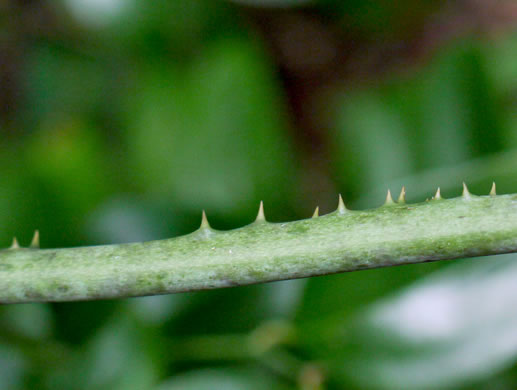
[{"x": 344, "y": 240}]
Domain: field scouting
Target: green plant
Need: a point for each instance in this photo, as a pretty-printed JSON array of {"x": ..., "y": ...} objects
[{"x": 394, "y": 234}]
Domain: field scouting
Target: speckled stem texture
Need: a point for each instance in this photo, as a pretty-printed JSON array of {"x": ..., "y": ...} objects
[{"x": 344, "y": 240}]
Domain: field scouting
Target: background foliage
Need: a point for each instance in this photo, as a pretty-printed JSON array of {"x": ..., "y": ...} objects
[{"x": 121, "y": 120}]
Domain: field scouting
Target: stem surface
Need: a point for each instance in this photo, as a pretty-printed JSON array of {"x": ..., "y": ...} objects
[{"x": 344, "y": 240}]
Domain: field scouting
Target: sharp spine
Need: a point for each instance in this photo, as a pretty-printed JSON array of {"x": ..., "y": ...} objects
[
  {"x": 316, "y": 212},
  {"x": 438, "y": 195},
  {"x": 260, "y": 216},
  {"x": 402, "y": 196},
  {"x": 466, "y": 193},
  {"x": 14, "y": 244},
  {"x": 204, "y": 221},
  {"x": 389, "y": 200},
  {"x": 341, "y": 208},
  {"x": 35, "y": 240},
  {"x": 492, "y": 190}
]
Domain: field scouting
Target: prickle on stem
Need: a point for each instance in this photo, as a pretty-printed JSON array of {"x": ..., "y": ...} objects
[
  {"x": 438, "y": 194},
  {"x": 402, "y": 196},
  {"x": 14, "y": 244},
  {"x": 389, "y": 200},
  {"x": 204, "y": 221},
  {"x": 341, "y": 208},
  {"x": 492, "y": 190},
  {"x": 35, "y": 240},
  {"x": 466, "y": 193},
  {"x": 260, "y": 215}
]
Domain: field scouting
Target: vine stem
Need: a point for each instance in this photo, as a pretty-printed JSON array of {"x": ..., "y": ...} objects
[{"x": 394, "y": 234}]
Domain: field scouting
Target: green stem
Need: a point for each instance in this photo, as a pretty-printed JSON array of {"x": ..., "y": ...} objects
[{"x": 344, "y": 240}]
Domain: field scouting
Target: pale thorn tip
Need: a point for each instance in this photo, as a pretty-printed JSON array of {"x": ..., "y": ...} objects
[
  {"x": 389, "y": 199},
  {"x": 438, "y": 195},
  {"x": 14, "y": 244},
  {"x": 204, "y": 221},
  {"x": 341, "y": 208},
  {"x": 316, "y": 212},
  {"x": 35, "y": 240},
  {"x": 466, "y": 193},
  {"x": 492, "y": 190},
  {"x": 260, "y": 216},
  {"x": 402, "y": 196}
]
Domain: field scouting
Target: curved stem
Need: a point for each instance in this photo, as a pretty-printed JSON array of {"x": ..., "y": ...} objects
[{"x": 393, "y": 234}]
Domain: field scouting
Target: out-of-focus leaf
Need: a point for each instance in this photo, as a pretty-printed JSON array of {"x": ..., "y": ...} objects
[
  {"x": 221, "y": 311},
  {"x": 97, "y": 13},
  {"x": 165, "y": 29},
  {"x": 441, "y": 115},
  {"x": 117, "y": 358},
  {"x": 70, "y": 157},
  {"x": 156, "y": 310},
  {"x": 371, "y": 145},
  {"x": 61, "y": 82},
  {"x": 32, "y": 321},
  {"x": 227, "y": 379},
  {"x": 503, "y": 62},
  {"x": 211, "y": 136},
  {"x": 16, "y": 195},
  {"x": 125, "y": 219},
  {"x": 282, "y": 299},
  {"x": 502, "y": 67},
  {"x": 68, "y": 165},
  {"x": 12, "y": 368},
  {"x": 456, "y": 326},
  {"x": 334, "y": 300}
]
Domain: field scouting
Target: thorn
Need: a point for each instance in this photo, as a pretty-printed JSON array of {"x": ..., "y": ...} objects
[
  {"x": 466, "y": 193},
  {"x": 35, "y": 240},
  {"x": 15, "y": 244},
  {"x": 260, "y": 216},
  {"x": 316, "y": 212},
  {"x": 492, "y": 190},
  {"x": 204, "y": 231},
  {"x": 389, "y": 199},
  {"x": 402, "y": 196},
  {"x": 438, "y": 195},
  {"x": 341, "y": 208},
  {"x": 204, "y": 221}
]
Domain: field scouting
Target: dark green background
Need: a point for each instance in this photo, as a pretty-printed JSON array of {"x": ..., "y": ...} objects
[{"x": 121, "y": 120}]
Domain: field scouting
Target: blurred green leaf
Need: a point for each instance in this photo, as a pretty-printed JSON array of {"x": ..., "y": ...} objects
[
  {"x": 454, "y": 327},
  {"x": 59, "y": 81},
  {"x": 16, "y": 195},
  {"x": 12, "y": 368},
  {"x": 34, "y": 321},
  {"x": 117, "y": 357},
  {"x": 227, "y": 378},
  {"x": 371, "y": 145},
  {"x": 211, "y": 136}
]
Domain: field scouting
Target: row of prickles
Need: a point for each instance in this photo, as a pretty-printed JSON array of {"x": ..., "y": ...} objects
[
  {"x": 341, "y": 209},
  {"x": 34, "y": 243}
]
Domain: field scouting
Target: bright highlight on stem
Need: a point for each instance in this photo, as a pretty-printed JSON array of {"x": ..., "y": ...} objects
[{"x": 345, "y": 240}]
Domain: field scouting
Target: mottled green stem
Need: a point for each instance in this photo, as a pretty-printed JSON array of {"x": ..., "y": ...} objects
[{"x": 344, "y": 240}]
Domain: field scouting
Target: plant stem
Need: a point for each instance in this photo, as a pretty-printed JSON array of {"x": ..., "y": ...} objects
[{"x": 344, "y": 240}]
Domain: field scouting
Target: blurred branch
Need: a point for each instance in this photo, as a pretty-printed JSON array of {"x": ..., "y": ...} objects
[{"x": 344, "y": 240}]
